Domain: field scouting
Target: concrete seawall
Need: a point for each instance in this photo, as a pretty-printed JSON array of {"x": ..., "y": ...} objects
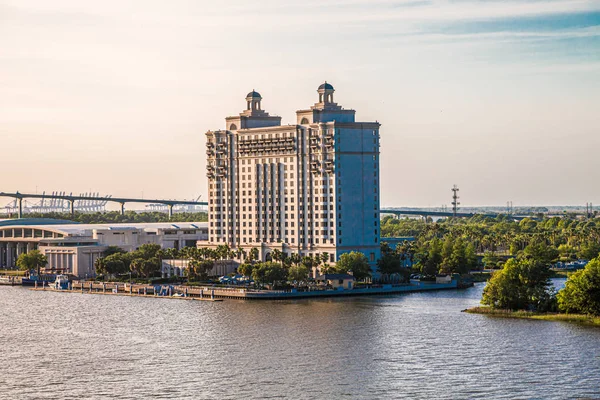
[{"x": 212, "y": 293}]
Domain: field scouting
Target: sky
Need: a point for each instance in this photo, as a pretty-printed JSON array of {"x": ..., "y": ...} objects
[{"x": 501, "y": 98}]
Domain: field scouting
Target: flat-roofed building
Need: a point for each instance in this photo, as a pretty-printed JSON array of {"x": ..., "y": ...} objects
[
  {"x": 73, "y": 248},
  {"x": 307, "y": 188}
]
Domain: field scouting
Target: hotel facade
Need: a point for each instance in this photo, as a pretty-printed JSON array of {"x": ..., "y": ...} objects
[{"x": 307, "y": 188}]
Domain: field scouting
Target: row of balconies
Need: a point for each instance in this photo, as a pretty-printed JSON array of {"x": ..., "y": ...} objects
[
  {"x": 265, "y": 145},
  {"x": 268, "y": 151},
  {"x": 268, "y": 141}
]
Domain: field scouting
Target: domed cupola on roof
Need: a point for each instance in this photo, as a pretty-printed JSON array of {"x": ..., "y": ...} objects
[
  {"x": 326, "y": 93},
  {"x": 253, "y": 116},
  {"x": 253, "y": 100}
]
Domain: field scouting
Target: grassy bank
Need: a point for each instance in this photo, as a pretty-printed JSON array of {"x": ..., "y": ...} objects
[{"x": 578, "y": 318}]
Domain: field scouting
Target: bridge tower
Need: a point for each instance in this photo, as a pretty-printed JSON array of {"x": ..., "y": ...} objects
[{"x": 455, "y": 202}]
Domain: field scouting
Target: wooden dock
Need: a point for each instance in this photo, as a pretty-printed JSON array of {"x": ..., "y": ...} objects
[
  {"x": 11, "y": 280},
  {"x": 132, "y": 290}
]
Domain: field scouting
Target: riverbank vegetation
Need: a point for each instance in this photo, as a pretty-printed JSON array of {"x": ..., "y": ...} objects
[
  {"x": 578, "y": 318},
  {"x": 522, "y": 253},
  {"x": 523, "y": 290}
]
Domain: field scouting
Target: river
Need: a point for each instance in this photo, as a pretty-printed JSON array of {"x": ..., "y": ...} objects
[{"x": 417, "y": 346}]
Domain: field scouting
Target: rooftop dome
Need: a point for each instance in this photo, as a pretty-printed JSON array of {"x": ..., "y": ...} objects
[
  {"x": 254, "y": 94},
  {"x": 326, "y": 86}
]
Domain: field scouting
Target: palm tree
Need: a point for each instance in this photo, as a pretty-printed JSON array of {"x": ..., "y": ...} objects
[
  {"x": 253, "y": 255},
  {"x": 277, "y": 255},
  {"x": 295, "y": 258}
]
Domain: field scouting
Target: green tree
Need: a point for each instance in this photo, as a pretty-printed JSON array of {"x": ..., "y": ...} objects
[
  {"x": 356, "y": 262},
  {"x": 269, "y": 272},
  {"x": 198, "y": 269},
  {"x": 581, "y": 294},
  {"x": 490, "y": 259},
  {"x": 33, "y": 260},
  {"x": 458, "y": 259},
  {"x": 521, "y": 285},
  {"x": 246, "y": 269},
  {"x": 295, "y": 258},
  {"x": 298, "y": 273},
  {"x": 148, "y": 251},
  {"x": 539, "y": 251},
  {"x": 114, "y": 264},
  {"x": 433, "y": 258},
  {"x": 470, "y": 257},
  {"x": 308, "y": 262},
  {"x": 253, "y": 255},
  {"x": 137, "y": 266},
  {"x": 389, "y": 262},
  {"x": 113, "y": 250},
  {"x": 447, "y": 250},
  {"x": 567, "y": 252},
  {"x": 171, "y": 253},
  {"x": 589, "y": 250},
  {"x": 145, "y": 267},
  {"x": 277, "y": 255}
]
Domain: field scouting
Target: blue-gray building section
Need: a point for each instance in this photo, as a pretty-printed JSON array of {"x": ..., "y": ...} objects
[{"x": 357, "y": 162}]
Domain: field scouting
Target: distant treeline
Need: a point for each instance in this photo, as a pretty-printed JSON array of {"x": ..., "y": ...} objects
[
  {"x": 552, "y": 239},
  {"x": 116, "y": 217}
]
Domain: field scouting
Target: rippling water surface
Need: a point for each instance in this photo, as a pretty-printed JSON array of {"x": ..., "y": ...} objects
[{"x": 58, "y": 345}]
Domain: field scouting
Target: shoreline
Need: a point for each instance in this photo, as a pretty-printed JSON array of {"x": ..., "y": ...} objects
[
  {"x": 214, "y": 293},
  {"x": 573, "y": 318}
]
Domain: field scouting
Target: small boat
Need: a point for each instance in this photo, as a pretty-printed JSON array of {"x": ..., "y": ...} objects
[
  {"x": 41, "y": 280},
  {"x": 61, "y": 282}
]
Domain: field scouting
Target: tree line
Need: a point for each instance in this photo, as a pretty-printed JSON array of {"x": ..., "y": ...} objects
[
  {"x": 524, "y": 284},
  {"x": 109, "y": 217},
  {"x": 146, "y": 262},
  {"x": 453, "y": 245}
]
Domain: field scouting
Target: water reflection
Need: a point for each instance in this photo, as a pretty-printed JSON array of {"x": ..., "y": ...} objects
[{"x": 406, "y": 346}]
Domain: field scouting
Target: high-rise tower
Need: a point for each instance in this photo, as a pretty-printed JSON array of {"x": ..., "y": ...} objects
[{"x": 307, "y": 188}]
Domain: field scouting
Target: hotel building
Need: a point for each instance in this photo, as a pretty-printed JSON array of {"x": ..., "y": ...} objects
[{"x": 307, "y": 188}]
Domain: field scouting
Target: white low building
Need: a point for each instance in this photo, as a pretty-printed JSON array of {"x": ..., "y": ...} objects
[{"x": 73, "y": 248}]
